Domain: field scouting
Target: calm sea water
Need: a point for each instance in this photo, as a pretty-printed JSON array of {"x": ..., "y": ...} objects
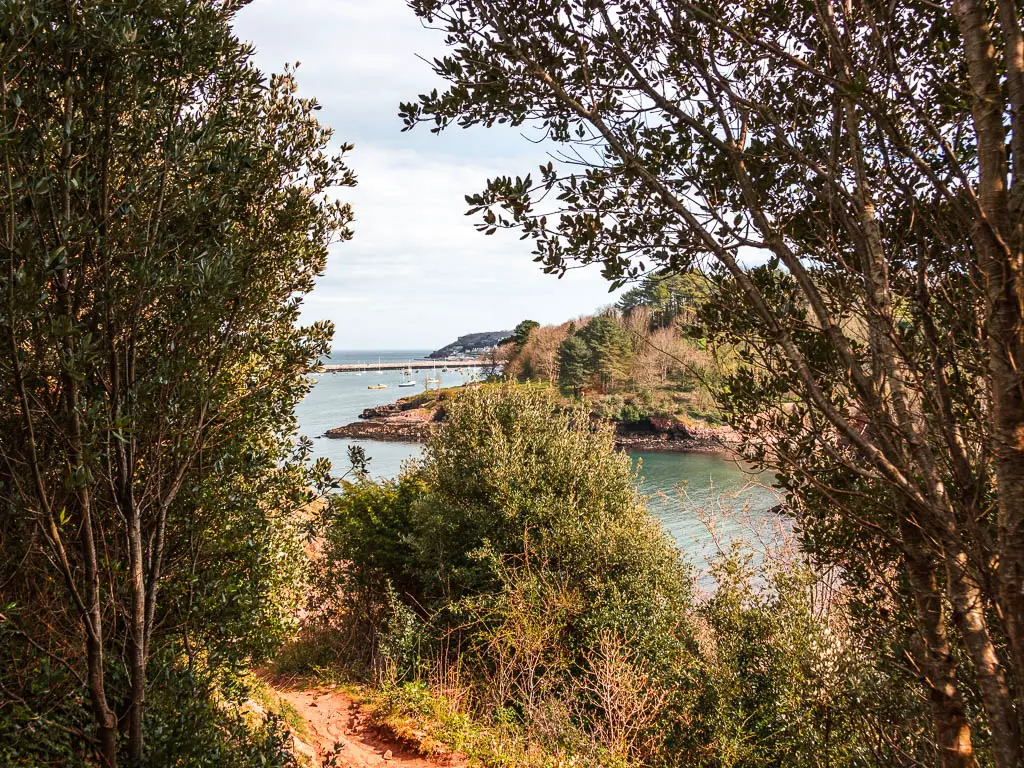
[{"x": 704, "y": 500}]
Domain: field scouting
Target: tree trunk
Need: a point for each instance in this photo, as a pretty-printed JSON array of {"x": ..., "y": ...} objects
[
  {"x": 137, "y": 643},
  {"x": 92, "y": 619},
  {"x": 993, "y": 690},
  {"x": 106, "y": 723},
  {"x": 949, "y": 720},
  {"x": 997, "y": 239}
]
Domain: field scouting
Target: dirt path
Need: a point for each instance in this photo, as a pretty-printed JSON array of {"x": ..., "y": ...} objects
[{"x": 338, "y": 729}]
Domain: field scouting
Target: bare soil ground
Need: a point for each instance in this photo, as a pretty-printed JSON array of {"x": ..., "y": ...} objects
[{"x": 341, "y": 731}]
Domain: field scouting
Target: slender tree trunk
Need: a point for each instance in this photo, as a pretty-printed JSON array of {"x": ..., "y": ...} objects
[
  {"x": 106, "y": 722},
  {"x": 92, "y": 618},
  {"x": 949, "y": 719},
  {"x": 998, "y": 242},
  {"x": 137, "y": 644},
  {"x": 993, "y": 689}
]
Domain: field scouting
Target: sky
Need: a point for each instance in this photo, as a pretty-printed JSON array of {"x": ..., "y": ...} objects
[{"x": 416, "y": 274}]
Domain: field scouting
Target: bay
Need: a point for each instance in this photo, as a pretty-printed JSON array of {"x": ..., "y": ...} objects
[{"x": 704, "y": 500}]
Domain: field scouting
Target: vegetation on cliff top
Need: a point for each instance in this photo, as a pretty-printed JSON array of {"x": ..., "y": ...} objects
[{"x": 640, "y": 359}]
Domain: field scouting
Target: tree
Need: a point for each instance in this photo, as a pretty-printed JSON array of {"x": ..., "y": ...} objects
[
  {"x": 514, "y": 484},
  {"x": 610, "y": 349},
  {"x": 667, "y": 296},
  {"x": 872, "y": 154},
  {"x": 521, "y": 334},
  {"x": 573, "y": 362},
  {"x": 164, "y": 207}
]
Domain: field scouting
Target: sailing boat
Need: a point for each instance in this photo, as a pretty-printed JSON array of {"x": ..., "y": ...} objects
[
  {"x": 378, "y": 386},
  {"x": 409, "y": 381},
  {"x": 435, "y": 379}
]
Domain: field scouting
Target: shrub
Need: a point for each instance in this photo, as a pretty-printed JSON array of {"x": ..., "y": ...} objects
[
  {"x": 520, "y": 541},
  {"x": 517, "y": 573}
]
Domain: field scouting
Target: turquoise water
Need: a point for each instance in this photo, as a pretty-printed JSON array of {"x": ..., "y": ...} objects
[{"x": 703, "y": 500}]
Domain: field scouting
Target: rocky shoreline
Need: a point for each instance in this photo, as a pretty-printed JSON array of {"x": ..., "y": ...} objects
[
  {"x": 395, "y": 422},
  {"x": 670, "y": 435},
  {"x": 400, "y": 422}
]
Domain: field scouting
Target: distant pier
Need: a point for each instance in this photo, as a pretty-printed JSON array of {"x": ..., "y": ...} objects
[{"x": 414, "y": 364}]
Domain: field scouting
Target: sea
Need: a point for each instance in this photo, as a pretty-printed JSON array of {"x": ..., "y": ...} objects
[{"x": 704, "y": 500}]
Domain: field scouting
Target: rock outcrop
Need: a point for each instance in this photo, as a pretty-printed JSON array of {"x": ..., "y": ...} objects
[
  {"x": 403, "y": 421},
  {"x": 665, "y": 433}
]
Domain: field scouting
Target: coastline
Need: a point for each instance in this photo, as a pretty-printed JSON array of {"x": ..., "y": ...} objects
[{"x": 402, "y": 422}]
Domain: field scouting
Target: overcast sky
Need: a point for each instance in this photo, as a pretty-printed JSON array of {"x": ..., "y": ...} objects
[{"x": 417, "y": 274}]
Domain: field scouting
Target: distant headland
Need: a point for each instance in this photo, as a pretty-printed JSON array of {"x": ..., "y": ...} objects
[{"x": 470, "y": 345}]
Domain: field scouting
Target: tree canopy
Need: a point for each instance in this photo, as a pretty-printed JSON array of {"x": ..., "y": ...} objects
[
  {"x": 868, "y": 157},
  {"x": 164, "y": 209},
  {"x": 668, "y": 297},
  {"x": 521, "y": 334}
]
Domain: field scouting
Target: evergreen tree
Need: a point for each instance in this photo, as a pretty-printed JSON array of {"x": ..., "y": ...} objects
[
  {"x": 573, "y": 363},
  {"x": 164, "y": 208},
  {"x": 609, "y": 349},
  {"x": 521, "y": 334}
]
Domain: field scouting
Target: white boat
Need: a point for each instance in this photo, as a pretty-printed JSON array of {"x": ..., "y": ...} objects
[{"x": 407, "y": 384}]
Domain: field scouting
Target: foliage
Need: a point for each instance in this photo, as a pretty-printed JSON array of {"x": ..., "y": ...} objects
[
  {"x": 538, "y": 358},
  {"x": 190, "y": 722},
  {"x": 670, "y": 298},
  {"x": 518, "y": 504},
  {"x": 511, "y": 474},
  {"x": 573, "y": 362},
  {"x": 525, "y": 607},
  {"x": 522, "y": 332},
  {"x": 610, "y": 349},
  {"x": 847, "y": 176},
  {"x": 628, "y": 355},
  {"x": 165, "y": 208},
  {"x": 599, "y": 351},
  {"x": 790, "y": 680}
]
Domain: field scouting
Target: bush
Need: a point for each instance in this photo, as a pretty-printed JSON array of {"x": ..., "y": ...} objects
[
  {"x": 191, "y": 723},
  {"x": 193, "y": 718},
  {"x": 516, "y": 572},
  {"x": 520, "y": 541}
]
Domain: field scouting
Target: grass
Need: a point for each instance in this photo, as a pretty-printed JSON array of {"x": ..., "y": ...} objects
[
  {"x": 437, "y": 725},
  {"x": 311, "y": 658},
  {"x": 430, "y": 398},
  {"x": 432, "y": 723}
]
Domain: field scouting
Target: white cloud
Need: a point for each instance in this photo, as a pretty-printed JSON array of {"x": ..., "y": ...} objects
[{"x": 417, "y": 274}]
